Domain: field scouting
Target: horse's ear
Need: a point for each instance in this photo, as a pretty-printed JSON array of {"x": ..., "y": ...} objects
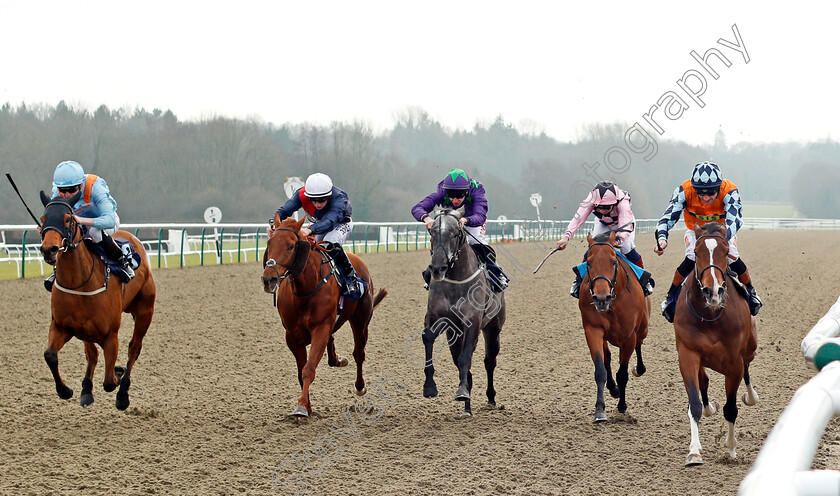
[
  {"x": 277, "y": 220},
  {"x": 461, "y": 211},
  {"x": 436, "y": 212},
  {"x": 299, "y": 223},
  {"x": 698, "y": 230},
  {"x": 612, "y": 237},
  {"x": 590, "y": 239},
  {"x": 44, "y": 198}
]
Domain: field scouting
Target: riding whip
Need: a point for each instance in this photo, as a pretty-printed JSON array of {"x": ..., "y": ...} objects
[
  {"x": 546, "y": 258},
  {"x": 9, "y": 177}
]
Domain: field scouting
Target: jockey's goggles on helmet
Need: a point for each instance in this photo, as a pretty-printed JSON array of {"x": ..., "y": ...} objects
[
  {"x": 320, "y": 199},
  {"x": 70, "y": 189},
  {"x": 707, "y": 191},
  {"x": 456, "y": 193}
]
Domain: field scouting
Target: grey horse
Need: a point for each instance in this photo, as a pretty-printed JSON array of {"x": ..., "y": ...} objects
[{"x": 461, "y": 303}]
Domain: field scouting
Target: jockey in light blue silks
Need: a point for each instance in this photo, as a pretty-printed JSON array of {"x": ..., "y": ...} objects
[{"x": 96, "y": 209}]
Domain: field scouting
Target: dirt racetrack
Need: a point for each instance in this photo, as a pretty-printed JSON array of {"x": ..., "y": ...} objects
[{"x": 214, "y": 385}]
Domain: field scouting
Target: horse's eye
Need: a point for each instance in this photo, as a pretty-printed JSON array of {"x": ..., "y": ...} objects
[{"x": 291, "y": 247}]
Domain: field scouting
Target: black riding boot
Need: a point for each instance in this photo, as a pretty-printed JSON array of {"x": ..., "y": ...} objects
[
  {"x": 352, "y": 287},
  {"x": 575, "y": 290},
  {"x": 487, "y": 255},
  {"x": 670, "y": 303},
  {"x": 427, "y": 277},
  {"x": 753, "y": 300},
  {"x": 113, "y": 251}
]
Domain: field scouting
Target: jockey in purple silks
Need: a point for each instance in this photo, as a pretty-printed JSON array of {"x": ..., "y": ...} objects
[
  {"x": 455, "y": 191},
  {"x": 612, "y": 208}
]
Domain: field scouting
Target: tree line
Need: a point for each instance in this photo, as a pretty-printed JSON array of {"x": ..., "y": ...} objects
[{"x": 162, "y": 169}]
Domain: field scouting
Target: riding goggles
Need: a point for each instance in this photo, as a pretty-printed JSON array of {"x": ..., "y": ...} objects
[
  {"x": 456, "y": 193},
  {"x": 320, "y": 199},
  {"x": 71, "y": 189},
  {"x": 707, "y": 191}
]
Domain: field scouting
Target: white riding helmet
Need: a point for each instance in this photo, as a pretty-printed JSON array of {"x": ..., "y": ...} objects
[{"x": 317, "y": 185}]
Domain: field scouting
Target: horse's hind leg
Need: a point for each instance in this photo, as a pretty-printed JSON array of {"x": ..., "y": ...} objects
[
  {"x": 730, "y": 411},
  {"x": 360, "y": 337},
  {"x": 110, "y": 348},
  {"x": 56, "y": 340},
  {"x": 92, "y": 355},
  {"x": 142, "y": 321},
  {"x": 703, "y": 380},
  {"x": 640, "y": 368},
  {"x": 749, "y": 398},
  {"x": 333, "y": 360},
  {"x": 492, "y": 345},
  {"x": 611, "y": 385},
  {"x": 622, "y": 376}
]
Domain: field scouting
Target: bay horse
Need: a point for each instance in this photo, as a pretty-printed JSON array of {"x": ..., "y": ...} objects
[
  {"x": 87, "y": 304},
  {"x": 714, "y": 329},
  {"x": 307, "y": 295},
  {"x": 615, "y": 312},
  {"x": 461, "y": 303}
]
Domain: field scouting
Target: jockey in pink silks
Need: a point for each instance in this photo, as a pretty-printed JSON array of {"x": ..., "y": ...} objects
[{"x": 611, "y": 206}]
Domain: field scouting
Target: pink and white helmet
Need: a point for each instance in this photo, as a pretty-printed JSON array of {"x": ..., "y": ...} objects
[{"x": 607, "y": 193}]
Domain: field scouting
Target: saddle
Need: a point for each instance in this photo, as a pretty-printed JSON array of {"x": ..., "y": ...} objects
[
  {"x": 737, "y": 284},
  {"x": 112, "y": 265},
  {"x": 645, "y": 278}
]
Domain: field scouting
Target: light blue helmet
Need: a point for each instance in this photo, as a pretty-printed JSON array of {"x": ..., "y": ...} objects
[{"x": 68, "y": 174}]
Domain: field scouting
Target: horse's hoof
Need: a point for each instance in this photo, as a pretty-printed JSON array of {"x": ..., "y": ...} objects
[
  {"x": 300, "y": 412},
  {"x": 748, "y": 400},
  {"x": 342, "y": 362},
  {"x": 109, "y": 387},
  {"x": 711, "y": 409},
  {"x": 622, "y": 407},
  {"x": 119, "y": 371},
  {"x": 64, "y": 393},
  {"x": 430, "y": 392},
  {"x": 693, "y": 459},
  {"x": 614, "y": 392},
  {"x": 639, "y": 371},
  {"x": 86, "y": 399},
  {"x": 360, "y": 392},
  {"x": 465, "y": 415},
  {"x": 122, "y": 403},
  {"x": 600, "y": 416},
  {"x": 462, "y": 395}
]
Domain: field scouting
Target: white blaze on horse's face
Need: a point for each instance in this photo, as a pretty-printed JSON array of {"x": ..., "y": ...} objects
[{"x": 711, "y": 245}]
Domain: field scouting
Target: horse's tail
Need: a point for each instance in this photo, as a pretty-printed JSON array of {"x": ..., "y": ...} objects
[{"x": 380, "y": 295}]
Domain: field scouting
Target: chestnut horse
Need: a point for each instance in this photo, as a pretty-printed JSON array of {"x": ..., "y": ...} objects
[
  {"x": 307, "y": 299},
  {"x": 714, "y": 329},
  {"x": 88, "y": 304},
  {"x": 614, "y": 312}
]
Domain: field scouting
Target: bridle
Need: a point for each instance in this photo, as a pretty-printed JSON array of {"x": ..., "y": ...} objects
[
  {"x": 462, "y": 238},
  {"x": 612, "y": 282},
  {"x": 699, "y": 275},
  {"x": 295, "y": 268},
  {"x": 67, "y": 234}
]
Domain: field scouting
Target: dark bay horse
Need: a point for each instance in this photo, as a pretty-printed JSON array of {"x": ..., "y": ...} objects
[
  {"x": 462, "y": 304},
  {"x": 714, "y": 329},
  {"x": 88, "y": 306},
  {"x": 614, "y": 312},
  {"x": 296, "y": 268}
]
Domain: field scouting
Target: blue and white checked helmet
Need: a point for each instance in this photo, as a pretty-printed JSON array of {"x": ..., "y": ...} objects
[{"x": 706, "y": 175}]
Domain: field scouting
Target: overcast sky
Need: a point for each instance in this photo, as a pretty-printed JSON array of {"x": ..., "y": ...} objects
[{"x": 544, "y": 66}]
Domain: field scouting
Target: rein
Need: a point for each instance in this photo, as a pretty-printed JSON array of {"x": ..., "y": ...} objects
[{"x": 67, "y": 244}]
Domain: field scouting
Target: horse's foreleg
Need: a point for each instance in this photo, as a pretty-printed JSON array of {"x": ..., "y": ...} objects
[
  {"x": 611, "y": 385},
  {"x": 110, "y": 348},
  {"x": 640, "y": 368},
  {"x": 690, "y": 370},
  {"x": 299, "y": 352},
  {"x": 491, "y": 351},
  {"x": 429, "y": 387},
  {"x": 709, "y": 408},
  {"x": 56, "y": 340},
  {"x": 320, "y": 336},
  {"x": 464, "y": 363},
  {"x": 92, "y": 355},
  {"x": 730, "y": 412},
  {"x": 595, "y": 341},
  {"x": 622, "y": 376}
]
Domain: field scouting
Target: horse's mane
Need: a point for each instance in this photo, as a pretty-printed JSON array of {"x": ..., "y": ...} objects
[{"x": 602, "y": 238}]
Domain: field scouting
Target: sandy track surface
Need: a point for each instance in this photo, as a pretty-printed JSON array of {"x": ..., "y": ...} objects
[{"x": 214, "y": 385}]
